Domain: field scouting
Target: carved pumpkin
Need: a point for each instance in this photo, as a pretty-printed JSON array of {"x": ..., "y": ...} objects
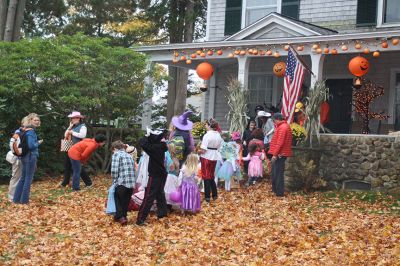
[
  {"x": 279, "y": 69},
  {"x": 359, "y": 66},
  {"x": 205, "y": 70}
]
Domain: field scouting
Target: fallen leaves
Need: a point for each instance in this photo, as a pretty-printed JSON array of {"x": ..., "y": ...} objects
[{"x": 250, "y": 227}]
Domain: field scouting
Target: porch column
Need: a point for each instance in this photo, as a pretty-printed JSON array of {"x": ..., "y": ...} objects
[
  {"x": 148, "y": 101},
  {"x": 317, "y": 67},
  {"x": 243, "y": 70},
  {"x": 211, "y": 100}
]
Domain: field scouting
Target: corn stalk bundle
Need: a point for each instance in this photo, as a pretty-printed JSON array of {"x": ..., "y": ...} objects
[
  {"x": 237, "y": 102},
  {"x": 317, "y": 95}
]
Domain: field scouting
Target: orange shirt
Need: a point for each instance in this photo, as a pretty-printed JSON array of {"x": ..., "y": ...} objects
[{"x": 82, "y": 150}]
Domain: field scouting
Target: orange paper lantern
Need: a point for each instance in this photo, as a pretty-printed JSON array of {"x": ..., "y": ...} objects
[
  {"x": 210, "y": 52},
  {"x": 357, "y": 46},
  {"x": 286, "y": 47},
  {"x": 359, "y": 66},
  {"x": 231, "y": 55},
  {"x": 276, "y": 54},
  {"x": 183, "y": 58},
  {"x": 334, "y": 51},
  {"x": 193, "y": 55},
  {"x": 205, "y": 70},
  {"x": 395, "y": 41},
  {"x": 189, "y": 61},
  {"x": 300, "y": 48},
  {"x": 376, "y": 54},
  {"x": 243, "y": 52},
  {"x": 366, "y": 51},
  {"x": 326, "y": 50},
  {"x": 219, "y": 52},
  {"x": 344, "y": 48},
  {"x": 385, "y": 44},
  {"x": 279, "y": 69},
  {"x": 269, "y": 52}
]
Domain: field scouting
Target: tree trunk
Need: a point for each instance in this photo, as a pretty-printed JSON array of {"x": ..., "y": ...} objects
[
  {"x": 9, "y": 30},
  {"x": 171, "y": 92},
  {"x": 181, "y": 90},
  {"x": 19, "y": 18},
  {"x": 3, "y": 17}
]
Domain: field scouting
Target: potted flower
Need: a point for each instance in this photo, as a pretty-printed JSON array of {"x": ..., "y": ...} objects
[
  {"x": 298, "y": 132},
  {"x": 199, "y": 129}
]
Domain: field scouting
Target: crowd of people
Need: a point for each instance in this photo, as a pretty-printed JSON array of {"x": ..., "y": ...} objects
[{"x": 172, "y": 170}]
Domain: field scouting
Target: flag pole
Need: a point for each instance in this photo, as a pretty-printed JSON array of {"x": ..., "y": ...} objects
[{"x": 301, "y": 61}]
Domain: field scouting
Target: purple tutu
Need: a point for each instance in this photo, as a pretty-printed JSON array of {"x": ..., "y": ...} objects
[{"x": 190, "y": 195}]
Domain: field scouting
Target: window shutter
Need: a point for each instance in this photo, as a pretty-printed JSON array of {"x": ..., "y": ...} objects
[
  {"x": 233, "y": 16},
  {"x": 291, "y": 8},
  {"x": 366, "y": 12}
]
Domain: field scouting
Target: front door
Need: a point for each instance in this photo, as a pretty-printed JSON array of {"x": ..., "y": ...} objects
[{"x": 340, "y": 91}]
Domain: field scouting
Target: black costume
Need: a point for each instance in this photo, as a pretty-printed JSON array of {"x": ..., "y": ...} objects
[{"x": 156, "y": 149}]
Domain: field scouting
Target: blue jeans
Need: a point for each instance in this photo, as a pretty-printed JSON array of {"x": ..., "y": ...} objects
[
  {"x": 76, "y": 173},
  {"x": 23, "y": 189}
]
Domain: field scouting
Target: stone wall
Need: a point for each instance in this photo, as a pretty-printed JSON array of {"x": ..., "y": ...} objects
[{"x": 371, "y": 158}]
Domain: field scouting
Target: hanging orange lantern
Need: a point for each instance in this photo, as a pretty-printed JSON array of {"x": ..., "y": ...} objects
[
  {"x": 237, "y": 52},
  {"x": 359, "y": 66},
  {"x": 188, "y": 61},
  {"x": 231, "y": 55},
  {"x": 324, "y": 113},
  {"x": 262, "y": 52},
  {"x": 315, "y": 46},
  {"x": 334, "y": 51},
  {"x": 243, "y": 52},
  {"x": 276, "y": 54},
  {"x": 219, "y": 52},
  {"x": 205, "y": 70},
  {"x": 279, "y": 69},
  {"x": 395, "y": 41},
  {"x": 319, "y": 50},
  {"x": 203, "y": 54},
  {"x": 255, "y": 52},
  {"x": 210, "y": 52},
  {"x": 183, "y": 58},
  {"x": 176, "y": 54},
  {"x": 300, "y": 48},
  {"x": 326, "y": 50},
  {"x": 366, "y": 51},
  {"x": 269, "y": 52},
  {"x": 376, "y": 54},
  {"x": 193, "y": 55},
  {"x": 344, "y": 48},
  {"x": 175, "y": 60},
  {"x": 286, "y": 47},
  {"x": 357, "y": 46},
  {"x": 385, "y": 44},
  {"x": 198, "y": 52}
]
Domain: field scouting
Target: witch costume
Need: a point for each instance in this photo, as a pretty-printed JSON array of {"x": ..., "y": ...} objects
[{"x": 155, "y": 147}]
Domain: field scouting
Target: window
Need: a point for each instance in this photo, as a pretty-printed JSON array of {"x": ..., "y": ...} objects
[
  {"x": 233, "y": 16},
  {"x": 366, "y": 12},
  {"x": 260, "y": 91},
  {"x": 397, "y": 102},
  {"x": 256, "y": 9},
  {"x": 391, "y": 11},
  {"x": 290, "y": 8}
]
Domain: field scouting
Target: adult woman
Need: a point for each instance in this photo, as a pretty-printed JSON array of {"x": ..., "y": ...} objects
[
  {"x": 76, "y": 131},
  {"x": 80, "y": 153},
  {"x": 209, "y": 155},
  {"x": 29, "y": 159}
]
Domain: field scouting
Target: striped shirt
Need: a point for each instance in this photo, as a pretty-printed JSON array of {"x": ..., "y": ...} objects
[{"x": 123, "y": 169}]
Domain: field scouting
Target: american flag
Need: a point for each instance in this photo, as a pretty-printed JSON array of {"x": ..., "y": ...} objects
[{"x": 294, "y": 77}]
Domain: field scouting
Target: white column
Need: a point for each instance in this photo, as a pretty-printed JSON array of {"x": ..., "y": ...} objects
[
  {"x": 243, "y": 70},
  {"x": 211, "y": 86},
  {"x": 317, "y": 67},
  {"x": 148, "y": 101}
]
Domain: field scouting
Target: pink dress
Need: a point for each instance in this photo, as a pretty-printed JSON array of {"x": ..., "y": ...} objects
[{"x": 255, "y": 164}]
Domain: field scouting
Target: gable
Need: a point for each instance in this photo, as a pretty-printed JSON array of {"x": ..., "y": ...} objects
[{"x": 276, "y": 25}]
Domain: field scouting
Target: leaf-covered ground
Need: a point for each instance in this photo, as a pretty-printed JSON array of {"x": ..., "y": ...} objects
[{"x": 244, "y": 227}]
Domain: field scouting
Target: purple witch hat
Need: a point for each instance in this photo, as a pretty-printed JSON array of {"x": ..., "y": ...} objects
[{"x": 182, "y": 122}]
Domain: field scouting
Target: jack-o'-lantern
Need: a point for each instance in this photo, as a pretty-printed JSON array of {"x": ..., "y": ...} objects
[
  {"x": 279, "y": 69},
  {"x": 359, "y": 66},
  {"x": 205, "y": 70}
]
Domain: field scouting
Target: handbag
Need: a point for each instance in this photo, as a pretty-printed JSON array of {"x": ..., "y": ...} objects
[
  {"x": 66, "y": 144},
  {"x": 11, "y": 157},
  {"x": 111, "y": 209}
]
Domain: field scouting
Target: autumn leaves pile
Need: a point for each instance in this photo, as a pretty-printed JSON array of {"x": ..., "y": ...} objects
[{"x": 245, "y": 227}]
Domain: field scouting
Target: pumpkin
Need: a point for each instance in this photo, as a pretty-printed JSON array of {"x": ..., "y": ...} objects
[
  {"x": 279, "y": 69},
  {"x": 359, "y": 66},
  {"x": 324, "y": 113},
  {"x": 205, "y": 70}
]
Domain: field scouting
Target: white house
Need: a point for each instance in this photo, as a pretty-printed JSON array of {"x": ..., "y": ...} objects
[{"x": 341, "y": 29}]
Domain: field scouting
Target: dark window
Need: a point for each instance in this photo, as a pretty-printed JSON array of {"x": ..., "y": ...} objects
[
  {"x": 366, "y": 12},
  {"x": 291, "y": 8},
  {"x": 233, "y": 16}
]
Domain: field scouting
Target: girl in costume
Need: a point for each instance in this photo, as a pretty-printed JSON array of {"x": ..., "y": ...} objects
[
  {"x": 172, "y": 166},
  {"x": 189, "y": 189},
  {"x": 255, "y": 156}
]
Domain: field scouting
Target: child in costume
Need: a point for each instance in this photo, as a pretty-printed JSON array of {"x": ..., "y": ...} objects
[
  {"x": 255, "y": 156},
  {"x": 229, "y": 167},
  {"x": 154, "y": 144},
  {"x": 189, "y": 189},
  {"x": 172, "y": 183}
]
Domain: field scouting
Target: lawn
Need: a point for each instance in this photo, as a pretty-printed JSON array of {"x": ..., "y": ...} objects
[{"x": 244, "y": 227}]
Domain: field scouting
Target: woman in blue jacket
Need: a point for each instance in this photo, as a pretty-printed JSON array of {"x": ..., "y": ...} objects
[{"x": 29, "y": 160}]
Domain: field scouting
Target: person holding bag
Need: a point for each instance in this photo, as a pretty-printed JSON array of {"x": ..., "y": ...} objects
[{"x": 76, "y": 131}]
